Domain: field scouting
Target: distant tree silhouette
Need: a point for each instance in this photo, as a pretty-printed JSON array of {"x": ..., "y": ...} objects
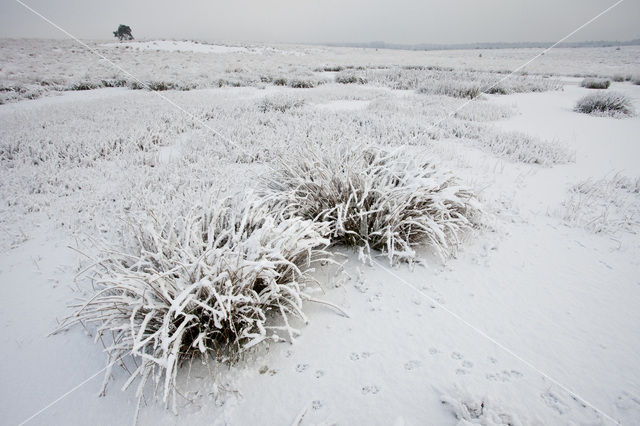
[{"x": 123, "y": 33}]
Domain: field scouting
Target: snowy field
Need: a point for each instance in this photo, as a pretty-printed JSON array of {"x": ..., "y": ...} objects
[{"x": 526, "y": 314}]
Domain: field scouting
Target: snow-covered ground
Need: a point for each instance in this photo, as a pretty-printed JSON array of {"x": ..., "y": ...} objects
[
  {"x": 535, "y": 320},
  {"x": 190, "y": 46},
  {"x": 180, "y": 46}
]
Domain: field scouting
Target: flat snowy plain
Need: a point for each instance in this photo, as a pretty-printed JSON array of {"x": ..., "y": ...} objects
[{"x": 553, "y": 275}]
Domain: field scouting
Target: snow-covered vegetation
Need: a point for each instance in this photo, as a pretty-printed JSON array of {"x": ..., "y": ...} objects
[
  {"x": 606, "y": 104},
  {"x": 159, "y": 65},
  {"x": 350, "y": 77},
  {"x": 596, "y": 83},
  {"x": 524, "y": 148},
  {"x": 375, "y": 199},
  {"x": 210, "y": 283},
  {"x": 279, "y": 103},
  {"x": 455, "y": 89},
  {"x": 447, "y": 81},
  {"x": 609, "y": 205}
]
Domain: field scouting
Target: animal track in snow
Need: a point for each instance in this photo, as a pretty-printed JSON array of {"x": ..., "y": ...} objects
[
  {"x": 375, "y": 298},
  {"x": 411, "y": 365},
  {"x": 554, "y": 402},
  {"x": 504, "y": 376},
  {"x": 319, "y": 373},
  {"x": 627, "y": 401},
  {"x": 361, "y": 285},
  {"x": 456, "y": 355},
  {"x": 355, "y": 356},
  {"x": 301, "y": 367},
  {"x": 373, "y": 389}
]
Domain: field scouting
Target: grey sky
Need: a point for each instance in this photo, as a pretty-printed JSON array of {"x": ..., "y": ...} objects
[{"x": 312, "y": 21}]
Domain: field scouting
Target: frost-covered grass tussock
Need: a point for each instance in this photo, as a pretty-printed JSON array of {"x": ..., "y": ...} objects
[
  {"x": 524, "y": 148},
  {"x": 621, "y": 77},
  {"x": 349, "y": 77},
  {"x": 281, "y": 103},
  {"x": 606, "y": 104},
  {"x": 375, "y": 199},
  {"x": 456, "y": 89},
  {"x": 633, "y": 78},
  {"x": 596, "y": 83},
  {"x": 607, "y": 205},
  {"x": 210, "y": 283}
]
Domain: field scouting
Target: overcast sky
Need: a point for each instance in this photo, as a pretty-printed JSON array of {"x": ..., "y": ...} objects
[{"x": 317, "y": 21}]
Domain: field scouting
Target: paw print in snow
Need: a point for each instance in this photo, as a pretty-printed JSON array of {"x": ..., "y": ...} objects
[
  {"x": 627, "y": 401},
  {"x": 373, "y": 389},
  {"x": 411, "y": 365},
  {"x": 554, "y": 402},
  {"x": 504, "y": 376},
  {"x": 363, "y": 355},
  {"x": 301, "y": 367}
]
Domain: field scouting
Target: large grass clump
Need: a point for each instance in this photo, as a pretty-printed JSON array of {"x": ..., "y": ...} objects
[
  {"x": 596, "y": 83},
  {"x": 212, "y": 282},
  {"x": 350, "y": 77},
  {"x": 375, "y": 199},
  {"x": 606, "y": 104},
  {"x": 281, "y": 103}
]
